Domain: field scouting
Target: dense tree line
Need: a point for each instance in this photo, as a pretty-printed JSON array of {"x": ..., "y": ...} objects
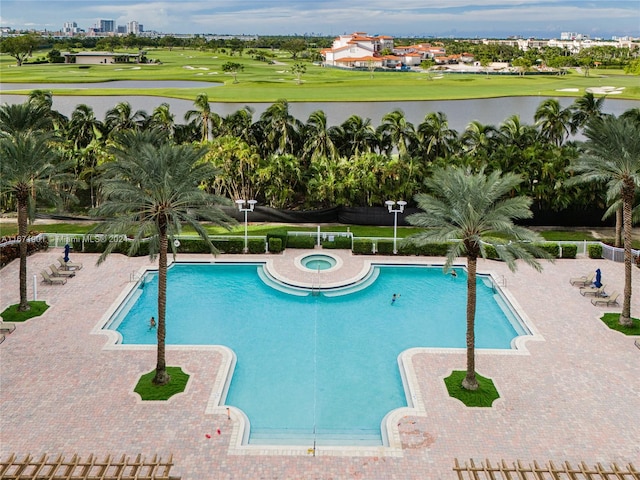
[{"x": 288, "y": 163}]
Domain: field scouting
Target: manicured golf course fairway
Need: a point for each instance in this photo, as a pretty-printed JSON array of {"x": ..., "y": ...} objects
[{"x": 260, "y": 81}]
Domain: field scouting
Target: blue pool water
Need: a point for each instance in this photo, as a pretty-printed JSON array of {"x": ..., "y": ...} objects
[{"x": 316, "y": 367}]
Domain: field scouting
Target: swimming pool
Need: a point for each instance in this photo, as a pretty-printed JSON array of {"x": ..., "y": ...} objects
[{"x": 316, "y": 367}]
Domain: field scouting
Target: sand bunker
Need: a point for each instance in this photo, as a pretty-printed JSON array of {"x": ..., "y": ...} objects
[
  {"x": 605, "y": 90},
  {"x": 568, "y": 90}
]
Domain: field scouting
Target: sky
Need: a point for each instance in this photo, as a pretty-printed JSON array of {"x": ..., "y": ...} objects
[{"x": 419, "y": 18}]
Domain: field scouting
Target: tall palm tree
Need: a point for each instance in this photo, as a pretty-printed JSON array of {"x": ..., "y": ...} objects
[
  {"x": 470, "y": 212},
  {"x": 317, "y": 138},
  {"x": 435, "y": 138},
  {"x": 123, "y": 117},
  {"x": 553, "y": 120},
  {"x": 163, "y": 119},
  {"x": 151, "y": 191},
  {"x": 400, "y": 132},
  {"x": 584, "y": 109},
  {"x": 203, "y": 115},
  {"x": 611, "y": 155},
  {"x": 27, "y": 167},
  {"x": 282, "y": 129}
]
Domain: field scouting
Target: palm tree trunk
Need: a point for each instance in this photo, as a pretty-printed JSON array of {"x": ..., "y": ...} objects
[
  {"x": 628, "y": 192},
  {"x": 470, "y": 382},
  {"x": 618, "y": 239},
  {"x": 161, "y": 377},
  {"x": 22, "y": 234}
]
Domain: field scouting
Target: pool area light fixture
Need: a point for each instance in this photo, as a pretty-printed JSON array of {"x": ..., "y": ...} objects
[
  {"x": 390, "y": 204},
  {"x": 246, "y": 209}
]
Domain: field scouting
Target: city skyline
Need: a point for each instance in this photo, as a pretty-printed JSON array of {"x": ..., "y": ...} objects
[{"x": 445, "y": 18}]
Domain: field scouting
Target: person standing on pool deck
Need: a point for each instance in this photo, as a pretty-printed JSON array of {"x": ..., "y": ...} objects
[
  {"x": 394, "y": 297},
  {"x": 152, "y": 323}
]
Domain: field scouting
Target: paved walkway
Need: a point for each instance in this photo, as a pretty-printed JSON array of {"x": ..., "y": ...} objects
[{"x": 573, "y": 396}]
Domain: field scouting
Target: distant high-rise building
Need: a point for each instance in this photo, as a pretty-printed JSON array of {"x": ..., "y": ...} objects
[
  {"x": 107, "y": 26},
  {"x": 70, "y": 28},
  {"x": 133, "y": 27},
  {"x": 121, "y": 29}
]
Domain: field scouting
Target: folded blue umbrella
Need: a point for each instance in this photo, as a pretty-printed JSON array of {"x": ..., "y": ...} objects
[
  {"x": 66, "y": 252},
  {"x": 598, "y": 281}
]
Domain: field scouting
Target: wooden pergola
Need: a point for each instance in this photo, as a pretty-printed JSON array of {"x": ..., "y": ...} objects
[
  {"x": 109, "y": 468},
  {"x": 549, "y": 471}
]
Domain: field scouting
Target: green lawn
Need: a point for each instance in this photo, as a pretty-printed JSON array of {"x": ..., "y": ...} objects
[
  {"x": 484, "y": 396},
  {"x": 148, "y": 391},
  {"x": 11, "y": 314},
  {"x": 262, "y": 82}
]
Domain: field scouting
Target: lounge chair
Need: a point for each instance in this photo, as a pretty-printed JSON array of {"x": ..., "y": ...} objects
[
  {"x": 606, "y": 301},
  {"x": 56, "y": 272},
  {"x": 595, "y": 291},
  {"x": 582, "y": 281},
  {"x": 7, "y": 327},
  {"x": 52, "y": 280},
  {"x": 69, "y": 265}
]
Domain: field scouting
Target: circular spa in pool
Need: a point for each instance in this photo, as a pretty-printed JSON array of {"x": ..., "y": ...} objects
[{"x": 318, "y": 261}]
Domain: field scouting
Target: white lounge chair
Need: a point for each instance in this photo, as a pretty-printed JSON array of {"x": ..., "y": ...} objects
[
  {"x": 7, "y": 327},
  {"x": 56, "y": 272},
  {"x": 52, "y": 280},
  {"x": 606, "y": 301},
  {"x": 69, "y": 265},
  {"x": 595, "y": 291},
  {"x": 582, "y": 281}
]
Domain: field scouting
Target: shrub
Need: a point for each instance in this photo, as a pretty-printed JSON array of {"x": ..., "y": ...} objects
[
  {"x": 256, "y": 245},
  {"x": 595, "y": 250},
  {"x": 552, "y": 249},
  {"x": 385, "y": 247},
  {"x": 569, "y": 250},
  {"x": 337, "y": 242},
  {"x": 275, "y": 245},
  {"x": 491, "y": 252},
  {"x": 301, "y": 241},
  {"x": 281, "y": 234},
  {"x": 193, "y": 245},
  {"x": 234, "y": 245},
  {"x": 362, "y": 246},
  {"x": 433, "y": 249}
]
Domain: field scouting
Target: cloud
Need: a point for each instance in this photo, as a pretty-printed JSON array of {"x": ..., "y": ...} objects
[{"x": 331, "y": 17}]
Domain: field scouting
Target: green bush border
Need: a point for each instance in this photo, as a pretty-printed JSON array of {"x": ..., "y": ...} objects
[
  {"x": 150, "y": 392},
  {"x": 484, "y": 396}
]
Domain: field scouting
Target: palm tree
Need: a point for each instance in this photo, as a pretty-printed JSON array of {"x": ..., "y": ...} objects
[
  {"x": 163, "y": 119},
  {"x": 282, "y": 129},
  {"x": 435, "y": 138},
  {"x": 611, "y": 155},
  {"x": 553, "y": 121},
  {"x": 584, "y": 109},
  {"x": 122, "y": 117},
  {"x": 471, "y": 212},
  {"x": 28, "y": 166},
  {"x": 400, "y": 132},
  {"x": 21, "y": 117},
  {"x": 151, "y": 190},
  {"x": 204, "y": 115},
  {"x": 317, "y": 138}
]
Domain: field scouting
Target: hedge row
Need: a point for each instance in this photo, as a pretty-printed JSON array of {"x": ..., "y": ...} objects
[{"x": 235, "y": 245}]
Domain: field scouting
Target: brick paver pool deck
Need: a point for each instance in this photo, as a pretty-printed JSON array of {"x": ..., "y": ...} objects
[{"x": 573, "y": 394}]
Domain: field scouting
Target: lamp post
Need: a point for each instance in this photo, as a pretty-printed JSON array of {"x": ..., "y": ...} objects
[
  {"x": 395, "y": 211},
  {"x": 241, "y": 206}
]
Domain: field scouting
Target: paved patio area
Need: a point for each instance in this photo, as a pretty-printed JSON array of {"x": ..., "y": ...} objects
[{"x": 573, "y": 395}]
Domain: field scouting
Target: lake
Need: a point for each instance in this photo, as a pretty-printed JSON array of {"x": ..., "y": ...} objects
[{"x": 460, "y": 113}]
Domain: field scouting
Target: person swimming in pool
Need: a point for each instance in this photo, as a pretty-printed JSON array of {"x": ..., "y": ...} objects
[
  {"x": 152, "y": 323},
  {"x": 394, "y": 297}
]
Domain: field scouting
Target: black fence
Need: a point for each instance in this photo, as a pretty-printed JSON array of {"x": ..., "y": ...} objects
[{"x": 588, "y": 217}]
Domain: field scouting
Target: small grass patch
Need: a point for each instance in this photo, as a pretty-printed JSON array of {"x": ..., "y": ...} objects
[
  {"x": 11, "y": 314},
  {"x": 484, "y": 396},
  {"x": 611, "y": 320},
  {"x": 148, "y": 391}
]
